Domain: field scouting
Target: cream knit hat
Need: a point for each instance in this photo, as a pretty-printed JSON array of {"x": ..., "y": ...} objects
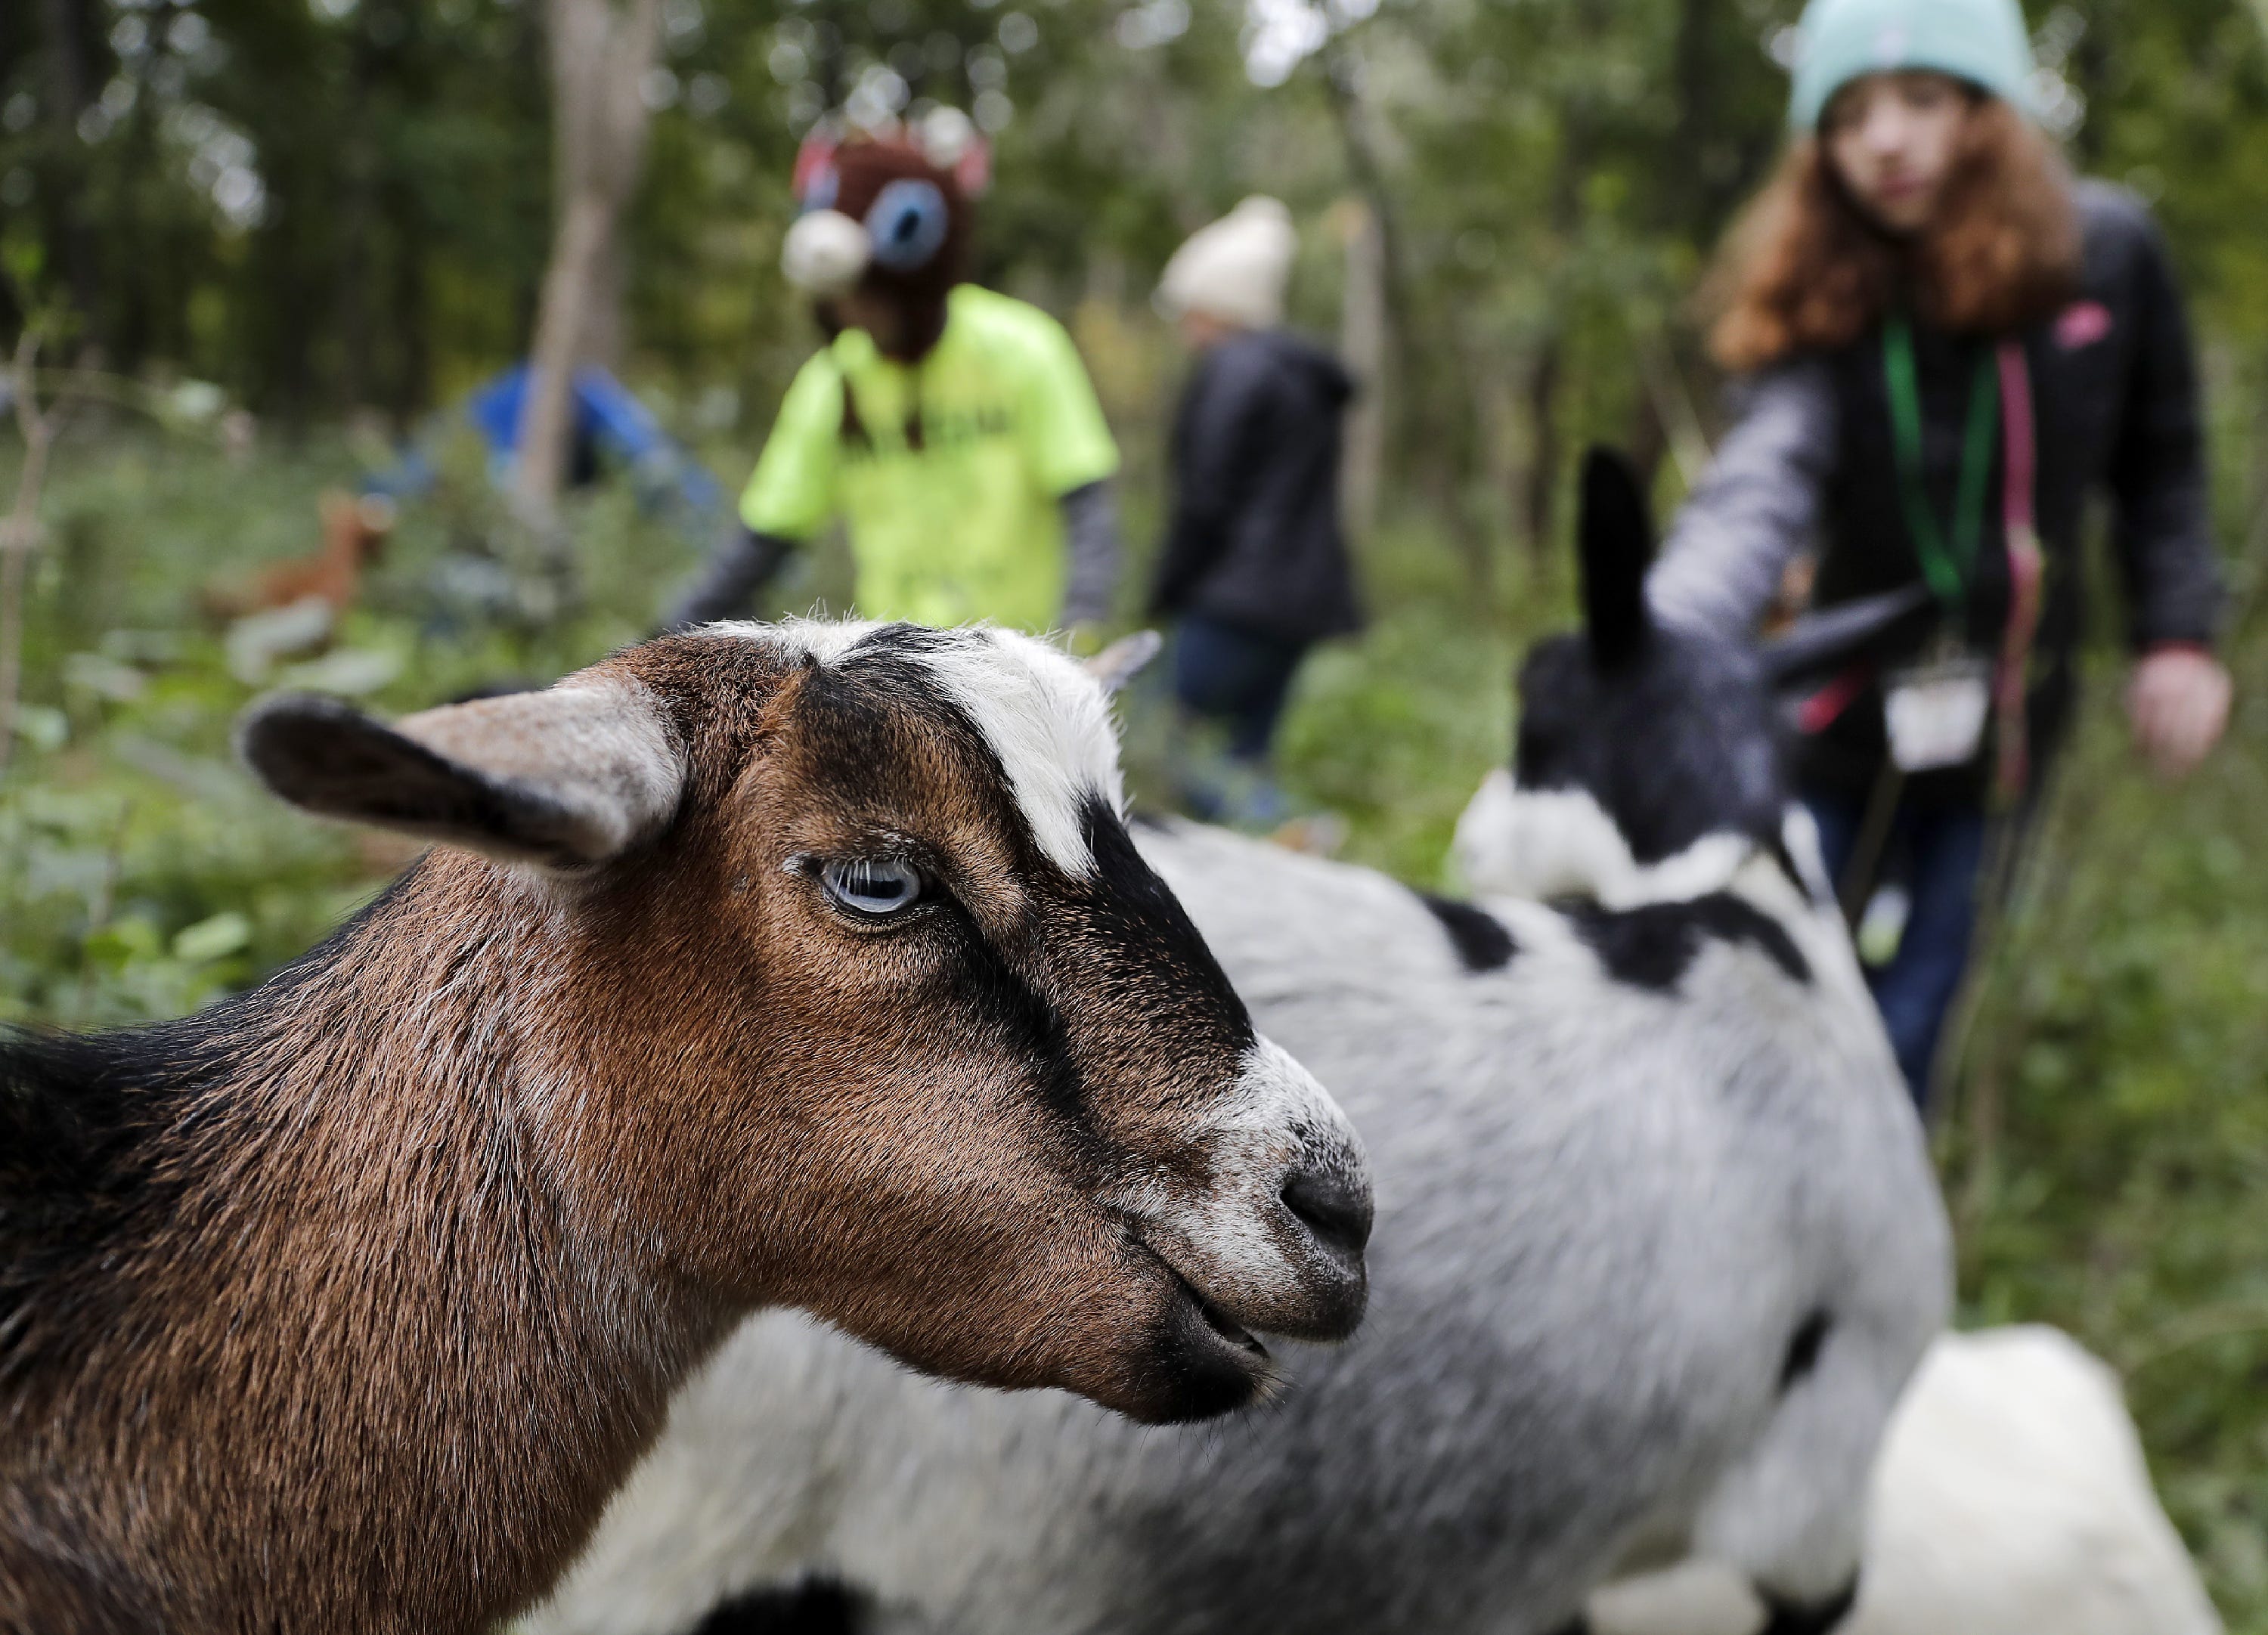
[{"x": 1236, "y": 268}]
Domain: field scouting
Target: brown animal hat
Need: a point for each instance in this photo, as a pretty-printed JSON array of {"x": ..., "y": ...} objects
[{"x": 903, "y": 218}]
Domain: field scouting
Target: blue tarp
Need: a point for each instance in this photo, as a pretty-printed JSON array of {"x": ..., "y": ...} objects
[
  {"x": 610, "y": 425},
  {"x": 608, "y": 420}
]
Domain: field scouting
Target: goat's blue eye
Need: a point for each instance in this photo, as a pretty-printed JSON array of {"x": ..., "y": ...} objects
[{"x": 875, "y": 888}]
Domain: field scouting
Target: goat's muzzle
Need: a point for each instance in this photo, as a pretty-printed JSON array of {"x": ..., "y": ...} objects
[{"x": 1273, "y": 1246}]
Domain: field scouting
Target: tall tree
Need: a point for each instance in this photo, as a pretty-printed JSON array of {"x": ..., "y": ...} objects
[
  {"x": 73, "y": 31},
  {"x": 600, "y": 53}
]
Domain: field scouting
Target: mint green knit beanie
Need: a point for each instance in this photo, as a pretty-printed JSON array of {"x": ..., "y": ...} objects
[{"x": 1982, "y": 41}]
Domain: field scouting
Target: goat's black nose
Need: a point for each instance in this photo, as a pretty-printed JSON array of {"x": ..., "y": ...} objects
[{"x": 1333, "y": 1207}]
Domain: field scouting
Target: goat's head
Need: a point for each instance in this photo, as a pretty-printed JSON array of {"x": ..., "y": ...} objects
[
  {"x": 1648, "y": 755},
  {"x": 866, "y": 1003}
]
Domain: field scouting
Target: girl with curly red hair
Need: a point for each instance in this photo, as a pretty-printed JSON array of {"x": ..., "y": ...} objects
[{"x": 1948, "y": 346}]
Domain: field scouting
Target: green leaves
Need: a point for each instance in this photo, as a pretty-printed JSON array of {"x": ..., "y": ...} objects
[{"x": 225, "y": 933}]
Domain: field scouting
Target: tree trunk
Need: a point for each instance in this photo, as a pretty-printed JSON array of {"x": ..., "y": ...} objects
[
  {"x": 599, "y": 51},
  {"x": 2090, "y": 72},
  {"x": 72, "y": 30},
  {"x": 1706, "y": 174},
  {"x": 410, "y": 374},
  {"x": 1496, "y": 412},
  {"x": 19, "y": 529},
  {"x": 357, "y": 267},
  {"x": 1363, "y": 345},
  {"x": 1670, "y": 405},
  {"x": 1540, "y": 511},
  {"x": 1381, "y": 276}
]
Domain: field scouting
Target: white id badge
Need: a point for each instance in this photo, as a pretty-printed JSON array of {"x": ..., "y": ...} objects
[{"x": 1935, "y": 713}]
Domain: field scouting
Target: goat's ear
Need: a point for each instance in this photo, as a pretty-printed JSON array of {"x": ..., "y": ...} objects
[
  {"x": 1123, "y": 660},
  {"x": 567, "y": 778},
  {"x": 1615, "y": 540},
  {"x": 1825, "y": 641}
]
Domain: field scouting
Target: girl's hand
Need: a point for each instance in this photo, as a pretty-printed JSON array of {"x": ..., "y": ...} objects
[{"x": 2178, "y": 703}]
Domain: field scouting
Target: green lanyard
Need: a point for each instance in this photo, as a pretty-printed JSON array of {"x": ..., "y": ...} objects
[{"x": 1944, "y": 568}]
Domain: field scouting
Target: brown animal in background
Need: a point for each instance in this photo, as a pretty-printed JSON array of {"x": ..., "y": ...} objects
[
  {"x": 806, "y": 964},
  {"x": 355, "y": 533}
]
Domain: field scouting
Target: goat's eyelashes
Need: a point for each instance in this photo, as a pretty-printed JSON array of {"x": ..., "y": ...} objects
[{"x": 872, "y": 889}]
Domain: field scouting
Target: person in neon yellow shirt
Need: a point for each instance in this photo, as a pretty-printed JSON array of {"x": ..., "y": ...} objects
[{"x": 953, "y": 429}]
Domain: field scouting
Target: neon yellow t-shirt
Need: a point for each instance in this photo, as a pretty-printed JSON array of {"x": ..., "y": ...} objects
[{"x": 966, "y": 526}]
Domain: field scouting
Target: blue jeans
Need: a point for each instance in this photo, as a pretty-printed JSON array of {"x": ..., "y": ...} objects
[
  {"x": 1234, "y": 681},
  {"x": 1945, "y": 850},
  {"x": 1237, "y": 677}
]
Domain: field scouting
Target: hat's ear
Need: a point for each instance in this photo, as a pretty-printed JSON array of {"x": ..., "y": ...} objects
[
  {"x": 1615, "y": 547},
  {"x": 566, "y": 778},
  {"x": 1830, "y": 638},
  {"x": 811, "y": 183},
  {"x": 1123, "y": 660}
]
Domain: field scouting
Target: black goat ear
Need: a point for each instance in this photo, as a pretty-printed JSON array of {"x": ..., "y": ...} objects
[
  {"x": 566, "y": 778},
  {"x": 1823, "y": 642},
  {"x": 1614, "y": 542}
]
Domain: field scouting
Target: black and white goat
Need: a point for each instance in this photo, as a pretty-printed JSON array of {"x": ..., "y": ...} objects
[{"x": 1657, "y": 1247}]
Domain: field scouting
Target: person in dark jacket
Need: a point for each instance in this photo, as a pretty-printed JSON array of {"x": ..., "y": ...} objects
[
  {"x": 1254, "y": 568},
  {"x": 1950, "y": 345}
]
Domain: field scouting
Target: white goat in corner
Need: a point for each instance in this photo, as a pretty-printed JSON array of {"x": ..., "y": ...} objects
[
  {"x": 2011, "y": 1499},
  {"x": 1657, "y": 1248}
]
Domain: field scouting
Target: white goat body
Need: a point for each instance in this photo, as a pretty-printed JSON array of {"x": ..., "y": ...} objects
[
  {"x": 2011, "y": 1499},
  {"x": 1609, "y": 1212}
]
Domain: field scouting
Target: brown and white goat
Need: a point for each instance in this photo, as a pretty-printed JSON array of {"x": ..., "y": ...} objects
[{"x": 807, "y": 965}]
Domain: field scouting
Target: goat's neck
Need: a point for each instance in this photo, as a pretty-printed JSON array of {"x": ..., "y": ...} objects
[
  {"x": 1559, "y": 843},
  {"x": 1785, "y": 880},
  {"x": 371, "y": 1371}
]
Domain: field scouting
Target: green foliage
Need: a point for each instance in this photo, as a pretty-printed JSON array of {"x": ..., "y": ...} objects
[
  {"x": 1556, "y": 176},
  {"x": 141, "y": 872},
  {"x": 1397, "y": 731},
  {"x": 2109, "y": 1156}
]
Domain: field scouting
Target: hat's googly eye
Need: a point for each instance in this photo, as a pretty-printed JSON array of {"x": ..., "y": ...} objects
[{"x": 907, "y": 224}]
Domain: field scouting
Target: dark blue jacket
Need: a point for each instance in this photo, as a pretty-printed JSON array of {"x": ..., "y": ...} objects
[{"x": 1254, "y": 538}]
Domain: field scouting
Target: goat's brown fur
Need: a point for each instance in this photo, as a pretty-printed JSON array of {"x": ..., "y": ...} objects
[{"x": 344, "y": 1306}]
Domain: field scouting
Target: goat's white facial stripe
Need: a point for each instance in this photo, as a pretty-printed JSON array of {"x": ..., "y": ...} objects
[
  {"x": 1048, "y": 723},
  {"x": 824, "y": 639},
  {"x": 1046, "y": 719}
]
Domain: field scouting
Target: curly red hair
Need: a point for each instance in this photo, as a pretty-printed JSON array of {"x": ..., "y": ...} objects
[{"x": 1806, "y": 269}]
